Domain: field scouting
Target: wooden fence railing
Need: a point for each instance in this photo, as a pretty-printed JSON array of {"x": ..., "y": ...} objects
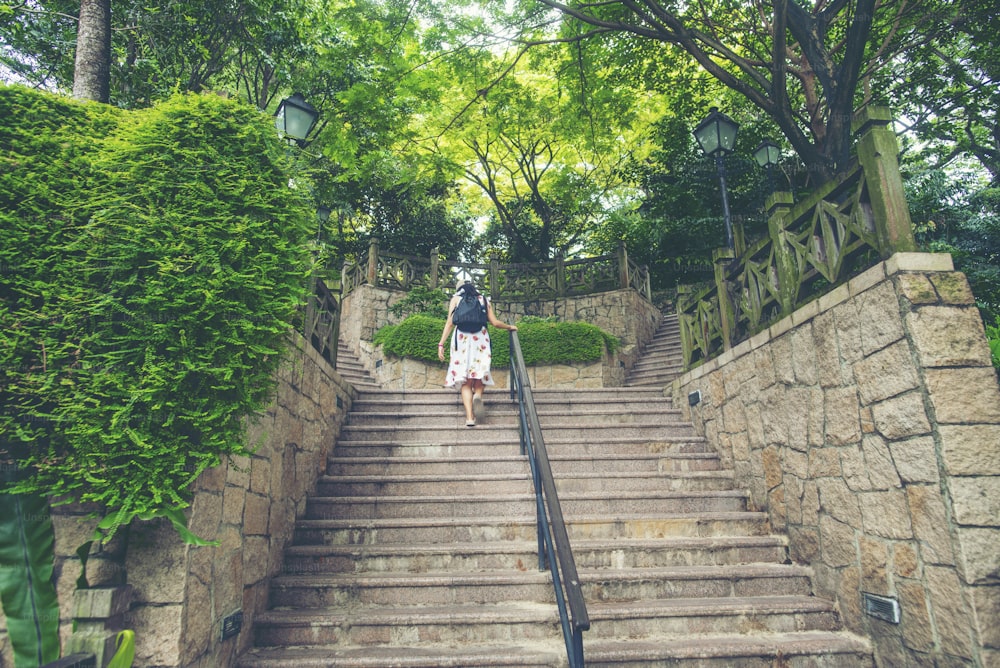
[
  {"x": 503, "y": 282},
  {"x": 321, "y": 321},
  {"x": 846, "y": 226}
]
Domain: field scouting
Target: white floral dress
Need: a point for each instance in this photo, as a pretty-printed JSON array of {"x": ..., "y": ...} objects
[{"x": 471, "y": 357}]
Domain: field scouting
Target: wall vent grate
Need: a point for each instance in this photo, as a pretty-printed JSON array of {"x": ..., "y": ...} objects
[{"x": 881, "y": 607}]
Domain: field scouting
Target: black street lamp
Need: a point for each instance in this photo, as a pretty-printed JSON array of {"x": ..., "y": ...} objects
[
  {"x": 295, "y": 118},
  {"x": 717, "y": 136},
  {"x": 767, "y": 155},
  {"x": 323, "y": 215}
]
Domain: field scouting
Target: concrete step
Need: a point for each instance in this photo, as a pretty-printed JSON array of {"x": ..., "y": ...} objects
[
  {"x": 453, "y": 587},
  {"x": 674, "y": 362},
  {"x": 482, "y": 444},
  {"x": 431, "y": 626},
  {"x": 473, "y": 481},
  {"x": 791, "y": 649},
  {"x": 800, "y": 649},
  {"x": 506, "y": 415},
  {"x": 393, "y": 531},
  {"x": 494, "y": 428},
  {"x": 497, "y": 401},
  {"x": 514, "y": 654},
  {"x": 476, "y": 502},
  {"x": 517, "y": 555},
  {"x": 542, "y": 396},
  {"x": 670, "y": 463},
  {"x": 652, "y": 380},
  {"x": 677, "y": 618},
  {"x": 736, "y": 580}
]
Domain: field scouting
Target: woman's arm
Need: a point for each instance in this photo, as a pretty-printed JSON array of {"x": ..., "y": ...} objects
[
  {"x": 447, "y": 327},
  {"x": 491, "y": 316}
]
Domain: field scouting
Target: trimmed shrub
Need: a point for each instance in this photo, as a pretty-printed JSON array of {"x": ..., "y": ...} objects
[
  {"x": 153, "y": 261},
  {"x": 543, "y": 341}
]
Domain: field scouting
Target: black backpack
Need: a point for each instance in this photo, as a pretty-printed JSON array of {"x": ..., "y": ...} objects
[{"x": 470, "y": 314}]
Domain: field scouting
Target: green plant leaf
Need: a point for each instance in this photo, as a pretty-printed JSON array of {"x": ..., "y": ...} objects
[
  {"x": 26, "y": 590},
  {"x": 125, "y": 654}
]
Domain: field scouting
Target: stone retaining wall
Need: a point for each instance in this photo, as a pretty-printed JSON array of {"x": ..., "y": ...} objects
[
  {"x": 180, "y": 594},
  {"x": 867, "y": 425},
  {"x": 622, "y": 313}
]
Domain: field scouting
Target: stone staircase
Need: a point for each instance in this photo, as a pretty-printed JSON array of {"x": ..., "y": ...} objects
[
  {"x": 661, "y": 360},
  {"x": 351, "y": 369},
  {"x": 419, "y": 546}
]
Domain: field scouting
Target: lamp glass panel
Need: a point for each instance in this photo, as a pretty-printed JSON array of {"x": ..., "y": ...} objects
[
  {"x": 708, "y": 137},
  {"x": 298, "y": 121},
  {"x": 727, "y": 135}
]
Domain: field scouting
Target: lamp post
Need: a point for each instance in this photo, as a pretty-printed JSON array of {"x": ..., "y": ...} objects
[
  {"x": 717, "y": 136},
  {"x": 323, "y": 215},
  {"x": 295, "y": 118},
  {"x": 767, "y": 155}
]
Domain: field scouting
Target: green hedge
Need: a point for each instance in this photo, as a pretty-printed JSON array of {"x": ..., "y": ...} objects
[
  {"x": 152, "y": 262},
  {"x": 542, "y": 341}
]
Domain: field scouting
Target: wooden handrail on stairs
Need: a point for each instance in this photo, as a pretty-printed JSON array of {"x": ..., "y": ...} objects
[{"x": 554, "y": 551}]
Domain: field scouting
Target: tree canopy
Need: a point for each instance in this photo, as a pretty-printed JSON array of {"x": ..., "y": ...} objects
[{"x": 538, "y": 127}]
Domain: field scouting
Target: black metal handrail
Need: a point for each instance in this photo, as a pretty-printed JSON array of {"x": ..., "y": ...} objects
[{"x": 554, "y": 551}]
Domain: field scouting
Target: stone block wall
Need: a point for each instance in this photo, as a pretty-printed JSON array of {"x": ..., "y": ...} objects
[
  {"x": 180, "y": 593},
  {"x": 867, "y": 425}
]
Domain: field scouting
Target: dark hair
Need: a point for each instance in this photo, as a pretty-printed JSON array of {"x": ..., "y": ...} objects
[{"x": 468, "y": 289}]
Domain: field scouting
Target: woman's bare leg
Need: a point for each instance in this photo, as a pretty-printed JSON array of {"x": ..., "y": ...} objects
[
  {"x": 467, "y": 393},
  {"x": 477, "y": 397}
]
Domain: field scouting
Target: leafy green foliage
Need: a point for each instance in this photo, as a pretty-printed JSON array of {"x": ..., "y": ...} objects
[
  {"x": 153, "y": 263},
  {"x": 27, "y": 548},
  {"x": 543, "y": 341},
  {"x": 993, "y": 337},
  {"x": 125, "y": 654}
]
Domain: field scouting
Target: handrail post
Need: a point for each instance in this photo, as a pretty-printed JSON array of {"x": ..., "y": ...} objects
[
  {"x": 435, "y": 267},
  {"x": 560, "y": 275},
  {"x": 778, "y": 205},
  {"x": 623, "y": 279},
  {"x": 494, "y": 278},
  {"x": 723, "y": 258},
  {"x": 373, "y": 261},
  {"x": 877, "y": 153}
]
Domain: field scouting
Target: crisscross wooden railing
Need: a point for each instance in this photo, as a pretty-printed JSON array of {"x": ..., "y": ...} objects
[
  {"x": 321, "y": 321},
  {"x": 503, "y": 282},
  {"x": 846, "y": 226}
]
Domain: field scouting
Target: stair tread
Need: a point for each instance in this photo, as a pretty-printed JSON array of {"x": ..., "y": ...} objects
[
  {"x": 791, "y": 643},
  {"x": 513, "y": 547},
  {"x": 527, "y": 653},
  {"x": 436, "y": 578},
  {"x": 479, "y": 496},
  {"x": 384, "y": 477},
  {"x": 507, "y": 520},
  {"x": 522, "y": 655}
]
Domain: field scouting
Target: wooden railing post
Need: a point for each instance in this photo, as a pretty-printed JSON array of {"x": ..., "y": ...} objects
[
  {"x": 435, "y": 264},
  {"x": 623, "y": 272},
  {"x": 560, "y": 275},
  {"x": 778, "y": 206},
  {"x": 722, "y": 259},
  {"x": 494, "y": 277},
  {"x": 373, "y": 262},
  {"x": 877, "y": 153}
]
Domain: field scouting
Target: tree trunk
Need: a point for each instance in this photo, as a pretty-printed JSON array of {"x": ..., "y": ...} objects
[{"x": 92, "y": 73}]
